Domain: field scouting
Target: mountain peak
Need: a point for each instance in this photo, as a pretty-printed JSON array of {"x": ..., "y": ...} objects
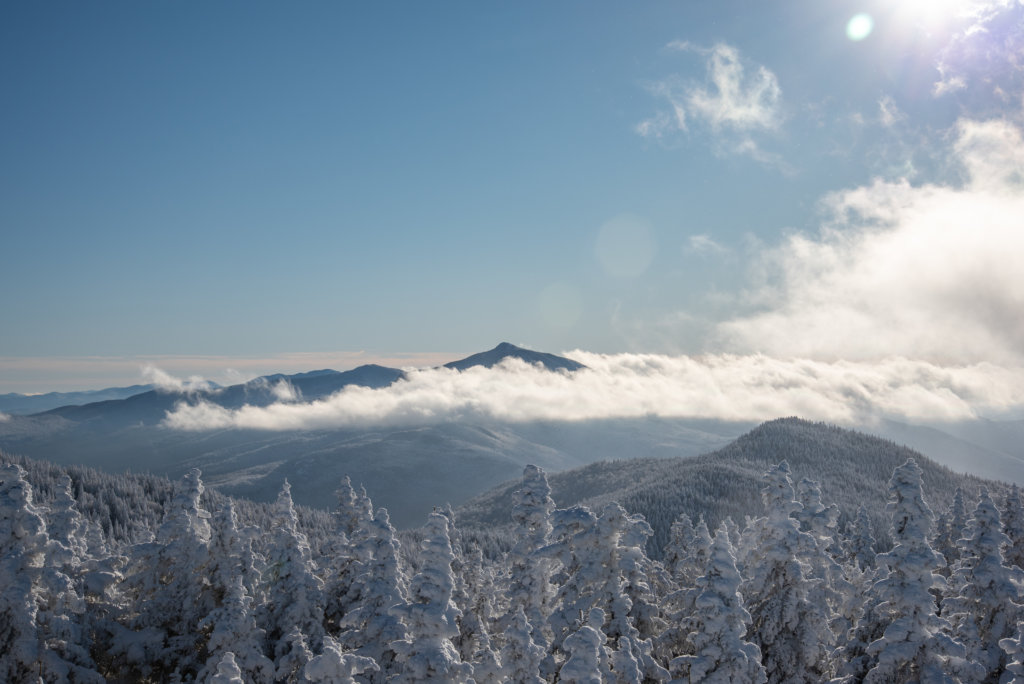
[{"x": 491, "y": 358}]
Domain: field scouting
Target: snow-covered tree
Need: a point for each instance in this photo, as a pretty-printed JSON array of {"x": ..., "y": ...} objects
[
  {"x": 369, "y": 627},
  {"x": 860, "y": 544},
  {"x": 169, "y": 589},
  {"x": 227, "y": 671},
  {"x": 40, "y": 639},
  {"x": 232, "y": 629},
  {"x": 1014, "y": 649},
  {"x": 521, "y": 657},
  {"x": 791, "y": 631},
  {"x": 603, "y": 563},
  {"x": 428, "y": 653},
  {"x": 475, "y": 593},
  {"x": 915, "y": 645},
  {"x": 716, "y": 630},
  {"x": 334, "y": 666},
  {"x": 340, "y": 563},
  {"x": 587, "y": 661},
  {"x": 529, "y": 583},
  {"x": 675, "y": 550},
  {"x": 231, "y": 556},
  {"x": 949, "y": 528},
  {"x": 1013, "y": 527},
  {"x": 294, "y": 593},
  {"x": 981, "y": 602}
]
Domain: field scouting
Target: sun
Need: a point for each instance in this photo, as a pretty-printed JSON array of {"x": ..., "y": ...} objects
[{"x": 860, "y": 26}]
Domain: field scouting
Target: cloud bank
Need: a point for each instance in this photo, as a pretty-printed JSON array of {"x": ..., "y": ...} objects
[
  {"x": 730, "y": 387},
  {"x": 929, "y": 271}
]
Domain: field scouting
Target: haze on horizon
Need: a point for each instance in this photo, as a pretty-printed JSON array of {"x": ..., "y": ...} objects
[{"x": 244, "y": 189}]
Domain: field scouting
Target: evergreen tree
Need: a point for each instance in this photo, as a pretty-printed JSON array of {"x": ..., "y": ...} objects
[
  {"x": 587, "y": 661},
  {"x": 169, "y": 590},
  {"x": 791, "y": 631},
  {"x": 600, "y": 555},
  {"x": 860, "y": 546},
  {"x": 232, "y": 630},
  {"x": 716, "y": 629},
  {"x": 915, "y": 645},
  {"x": 334, "y": 666},
  {"x": 675, "y": 551},
  {"x": 521, "y": 657},
  {"x": 428, "y": 654},
  {"x": 294, "y": 593},
  {"x": 340, "y": 563},
  {"x": 1013, "y": 527},
  {"x": 529, "y": 585},
  {"x": 369, "y": 627},
  {"x": 227, "y": 671},
  {"x": 1014, "y": 649},
  {"x": 40, "y": 638},
  {"x": 949, "y": 528},
  {"x": 981, "y": 604}
]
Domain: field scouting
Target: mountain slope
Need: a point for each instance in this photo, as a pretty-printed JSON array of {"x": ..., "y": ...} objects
[{"x": 852, "y": 468}]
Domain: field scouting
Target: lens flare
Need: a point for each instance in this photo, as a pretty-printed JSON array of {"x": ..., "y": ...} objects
[{"x": 859, "y": 27}]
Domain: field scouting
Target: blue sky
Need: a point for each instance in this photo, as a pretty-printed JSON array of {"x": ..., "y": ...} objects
[{"x": 247, "y": 183}]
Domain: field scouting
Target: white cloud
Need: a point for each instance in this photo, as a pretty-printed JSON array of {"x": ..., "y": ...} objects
[
  {"x": 3, "y": 417},
  {"x": 985, "y": 49},
  {"x": 165, "y": 382},
  {"x": 27, "y": 374},
  {"x": 749, "y": 387},
  {"x": 736, "y": 101},
  {"x": 929, "y": 271},
  {"x": 704, "y": 244},
  {"x": 888, "y": 113},
  {"x": 285, "y": 391}
]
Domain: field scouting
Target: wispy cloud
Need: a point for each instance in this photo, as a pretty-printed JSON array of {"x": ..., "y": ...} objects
[
  {"x": 986, "y": 49},
  {"x": 165, "y": 382},
  {"x": 749, "y": 387},
  {"x": 888, "y": 113},
  {"x": 923, "y": 271},
  {"x": 704, "y": 244},
  {"x": 736, "y": 100}
]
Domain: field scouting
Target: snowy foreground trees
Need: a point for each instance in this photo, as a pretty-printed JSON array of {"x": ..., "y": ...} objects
[{"x": 793, "y": 596}]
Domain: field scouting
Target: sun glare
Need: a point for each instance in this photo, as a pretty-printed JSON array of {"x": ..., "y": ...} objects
[{"x": 859, "y": 27}]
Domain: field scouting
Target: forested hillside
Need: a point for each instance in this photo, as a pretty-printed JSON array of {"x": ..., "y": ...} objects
[
  {"x": 131, "y": 578},
  {"x": 850, "y": 468}
]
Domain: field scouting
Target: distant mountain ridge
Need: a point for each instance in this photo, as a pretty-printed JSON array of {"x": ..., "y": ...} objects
[
  {"x": 149, "y": 405},
  {"x": 23, "y": 404}
]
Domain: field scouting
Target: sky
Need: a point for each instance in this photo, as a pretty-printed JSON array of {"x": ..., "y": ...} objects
[{"x": 227, "y": 189}]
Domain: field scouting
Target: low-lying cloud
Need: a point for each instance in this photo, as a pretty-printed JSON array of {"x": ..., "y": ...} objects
[
  {"x": 729, "y": 387},
  {"x": 165, "y": 382}
]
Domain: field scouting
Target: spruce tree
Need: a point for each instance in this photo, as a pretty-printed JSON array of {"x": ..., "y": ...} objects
[
  {"x": 791, "y": 631},
  {"x": 369, "y": 627},
  {"x": 716, "y": 629},
  {"x": 428, "y": 653},
  {"x": 981, "y": 602},
  {"x": 915, "y": 645},
  {"x": 293, "y": 615}
]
